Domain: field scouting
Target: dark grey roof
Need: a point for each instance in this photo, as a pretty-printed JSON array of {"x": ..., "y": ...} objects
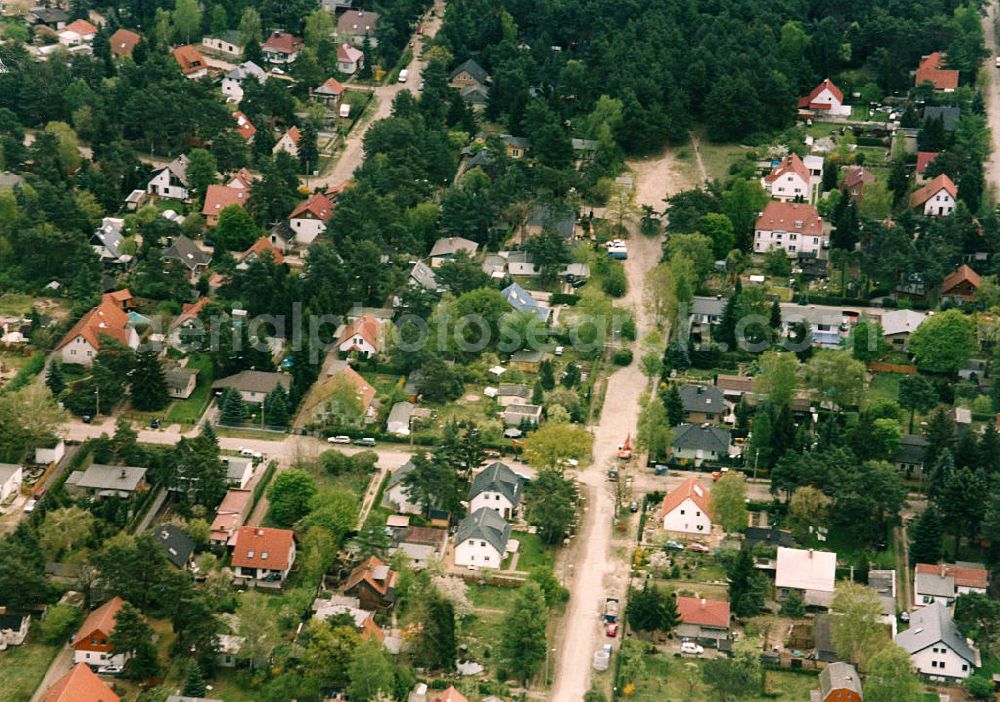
[
  {"x": 948, "y": 115},
  {"x": 527, "y": 356},
  {"x": 523, "y": 301},
  {"x": 49, "y": 15},
  {"x": 520, "y": 142},
  {"x": 399, "y": 474},
  {"x": 177, "y": 378},
  {"x": 282, "y": 230},
  {"x": 823, "y": 638},
  {"x": 177, "y": 545},
  {"x": 254, "y": 381},
  {"x": 513, "y": 390},
  {"x": 911, "y": 449},
  {"x": 230, "y": 36},
  {"x": 584, "y": 144},
  {"x": 109, "y": 237},
  {"x": 931, "y": 625},
  {"x": 477, "y": 72},
  {"x": 560, "y": 217},
  {"x": 102, "y": 477},
  {"x": 769, "y": 536},
  {"x": 696, "y": 436},
  {"x": 703, "y": 398},
  {"x": 423, "y": 275},
  {"x": 187, "y": 252},
  {"x": 497, "y": 477},
  {"x": 481, "y": 159},
  {"x": 487, "y": 525},
  {"x": 707, "y": 305},
  {"x": 839, "y": 676},
  {"x": 12, "y": 620},
  {"x": 475, "y": 94}
]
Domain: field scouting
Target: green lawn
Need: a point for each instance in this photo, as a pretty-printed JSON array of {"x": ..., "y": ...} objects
[
  {"x": 189, "y": 411},
  {"x": 15, "y": 304},
  {"x": 231, "y": 685},
  {"x": 884, "y": 386},
  {"x": 679, "y": 680},
  {"x": 534, "y": 554},
  {"x": 22, "y": 668}
]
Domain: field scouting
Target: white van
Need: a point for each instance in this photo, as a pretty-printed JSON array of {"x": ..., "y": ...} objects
[{"x": 403, "y": 75}]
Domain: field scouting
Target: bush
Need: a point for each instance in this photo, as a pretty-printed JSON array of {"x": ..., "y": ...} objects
[
  {"x": 615, "y": 282},
  {"x": 622, "y": 357},
  {"x": 979, "y": 687},
  {"x": 59, "y": 621},
  {"x": 564, "y": 299}
]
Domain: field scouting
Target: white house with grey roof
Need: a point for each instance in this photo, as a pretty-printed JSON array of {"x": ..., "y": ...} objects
[
  {"x": 253, "y": 385},
  {"x": 481, "y": 540},
  {"x": 423, "y": 276},
  {"x": 171, "y": 181},
  {"x": 936, "y": 647},
  {"x": 700, "y": 443},
  {"x": 897, "y": 325},
  {"x": 232, "y": 84},
  {"x": 703, "y": 404},
  {"x": 496, "y": 487},
  {"x": 397, "y": 494},
  {"x": 11, "y": 477},
  {"x": 107, "y": 481},
  {"x": 398, "y": 422},
  {"x": 239, "y": 470},
  {"x": 447, "y": 248},
  {"x": 184, "y": 250},
  {"x": 107, "y": 242}
]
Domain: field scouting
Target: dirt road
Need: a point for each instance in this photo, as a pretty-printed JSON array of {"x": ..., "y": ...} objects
[
  {"x": 993, "y": 102},
  {"x": 597, "y": 573}
]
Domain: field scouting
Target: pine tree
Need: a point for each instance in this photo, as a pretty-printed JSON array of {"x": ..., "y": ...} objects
[
  {"x": 233, "y": 409},
  {"x": 194, "y": 684},
  {"x": 726, "y": 331},
  {"x": 675, "y": 406},
  {"x": 437, "y": 650},
  {"x": 940, "y": 436},
  {"x": 989, "y": 450},
  {"x": 368, "y": 64},
  {"x": 775, "y": 315},
  {"x": 745, "y": 591},
  {"x": 927, "y": 535},
  {"x": 276, "y": 407},
  {"x": 209, "y": 434},
  {"x": 54, "y": 378},
  {"x": 149, "y": 384},
  {"x": 537, "y": 394},
  {"x": 308, "y": 148},
  {"x": 546, "y": 375},
  {"x": 571, "y": 376}
]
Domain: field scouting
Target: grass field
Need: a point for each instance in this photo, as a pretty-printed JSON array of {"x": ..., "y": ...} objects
[
  {"x": 22, "y": 668},
  {"x": 534, "y": 554},
  {"x": 15, "y": 304},
  {"x": 189, "y": 411},
  {"x": 884, "y": 386}
]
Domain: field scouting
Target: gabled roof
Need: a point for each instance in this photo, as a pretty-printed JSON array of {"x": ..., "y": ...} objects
[
  {"x": 107, "y": 318},
  {"x": 858, "y": 176},
  {"x": 320, "y": 392},
  {"x": 187, "y": 252},
  {"x": 796, "y": 217},
  {"x": 331, "y": 86},
  {"x": 827, "y": 84},
  {"x": 259, "y": 547},
  {"x": 839, "y": 676},
  {"x": 81, "y": 27},
  {"x": 449, "y": 246},
  {"x": 101, "y": 620},
  {"x": 696, "y": 610},
  {"x": 930, "y": 71},
  {"x": 259, "y": 247},
  {"x": 703, "y": 398},
  {"x": 484, "y": 524},
  {"x": 189, "y": 58},
  {"x": 246, "y": 70},
  {"x": 397, "y": 476},
  {"x": 318, "y": 206},
  {"x": 523, "y": 301},
  {"x": 423, "y": 275},
  {"x": 931, "y": 625},
  {"x": 694, "y": 437},
  {"x": 932, "y": 188},
  {"x": 962, "y": 274},
  {"x": 901, "y": 321},
  {"x": 477, "y": 72},
  {"x": 965, "y": 576},
  {"x": 254, "y": 381},
  {"x": 190, "y": 310},
  {"x": 375, "y": 572},
  {"x": 177, "y": 168},
  {"x": 283, "y": 43},
  {"x": 81, "y": 684},
  {"x": 244, "y": 127},
  {"x": 357, "y": 23},
  {"x": 449, "y": 695},
  {"x": 229, "y": 515},
  {"x": 790, "y": 164},
  {"x": 104, "y": 477},
  {"x": 924, "y": 159},
  {"x": 293, "y": 135},
  {"x": 365, "y": 326},
  {"x": 177, "y": 545},
  {"x": 348, "y": 54},
  {"x": 804, "y": 569},
  {"x": 690, "y": 489},
  {"x": 219, "y": 197},
  {"x": 497, "y": 477},
  {"x": 911, "y": 449}
]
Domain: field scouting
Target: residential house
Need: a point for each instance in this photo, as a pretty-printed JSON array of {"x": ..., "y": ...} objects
[
  {"x": 186, "y": 326},
  {"x": 253, "y": 385},
  {"x": 218, "y": 198},
  {"x": 51, "y": 17},
  {"x": 924, "y": 159},
  {"x": 936, "y": 647},
  {"x": 123, "y": 42},
  {"x": 317, "y": 406},
  {"x": 232, "y": 83},
  {"x": 330, "y": 93},
  {"x": 227, "y": 42},
  {"x": 14, "y": 628},
  {"x": 77, "y": 32},
  {"x": 289, "y": 142},
  {"x": 584, "y": 150},
  {"x": 838, "y": 682},
  {"x": 80, "y": 684},
  {"x": 171, "y": 181},
  {"x": 244, "y": 127},
  {"x": 945, "y": 582},
  {"x": 826, "y": 98},
  {"x": 829, "y": 326},
  {"x": 256, "y": 252},
  {"x": 704, "y": 313},
  {"x": 263, "y": 556},
  {"x": 83, "y": 341},
  {"x": 107, "y": 242},
  {"x": 339, "y": 605},
  {"x": 398, "y": 421},
  {"x": 698, "y": 443},
  {"x": 181, "y": 381},
  {"x": 11, "y": 478},
  {"x": 51, "y": 452},
  {"x": 192, "y": 63},
  {"x": 308, "y": 220},
  {"x": 334, "y": 5},
  {"x": 349, "y": 59},
  {"x": 100, "y": 480},
  {"x": 687, "y": 509},
  {"x": 703, "y": 404},
  {"x": 239, "y": 471},
  {"x": 897, "y": 325},
  {"x": 8, "y": 180},
  {"x": 281, "y": 236},
  {"x": 516, "y": 147},
  {"x": 513, "y": 394},
  {"x": 469, "y": 74},
  {"x": 423, "y": 276},
  {"x": 449, "y": 695},
  {"x": 768, "y": 537},
  {"x": 523, "y": 301},
  {"x": 176, "y": 544},
  {"x": 809, "y": 573},
  {"x": 496, "y": 487},
  {"x": 883, "y": 582},
  {"x": 704, "y": 620},
  {"x": 960, "y": 285},
  {"x": 947, "y": 114},
  {"x": 734, "y": 387},
  {"x": 92, "y": 643},
  {"x": 481, "y": 540},
  {"x": 936, "y": 198},
  {"x": 354, "y": 25},
  {"x": 227, "y": 655},
  {"x": 186, "y": 251},
  {"x": 931, "y": 70},
  {"x": 516, "y": 415},
  {"x": 421, "y": 545},
  {"x": 448, "y": 248},
  {"x": 789, "y": 180},
  {"x": 396, "y": 495},
  {"x": 362, "y": 336},
  {"x": 910, "y": 457},
  {"x": 230, "y": 516},
  {"x": 795, "y": 227},
  {"x": 560, "y": 218},
  {"x": 855, "y": 181},
  {"x": 373, "y": 582},
  {"x": 282, "y": 47}
]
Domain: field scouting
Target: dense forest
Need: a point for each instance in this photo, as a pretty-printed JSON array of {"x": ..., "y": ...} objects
[{"x": 736, "y": 66}]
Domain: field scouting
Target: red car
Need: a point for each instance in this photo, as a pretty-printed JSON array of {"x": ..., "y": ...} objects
[{"x": 612, "y": 630}]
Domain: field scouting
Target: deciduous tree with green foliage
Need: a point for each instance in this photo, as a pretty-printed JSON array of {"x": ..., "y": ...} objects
[
  {"x": 891, "y": 677},
  {"x": 916, "y": 393},
  {"x": 290, "y": 495},
  {"x": 944, "y": 342},
  {"x": 551, "y": 504},
  {"x": 858, "y": 632},
  {"x": 522, "y": 637},
  {"x": 729, "y": 495}
]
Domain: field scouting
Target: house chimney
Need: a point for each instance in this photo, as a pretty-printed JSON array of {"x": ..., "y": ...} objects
[
  {"x": 258, "y": 532},
  {"x": 122, "y": 475},
  {"x": 810, "y": 553},
  {"x": 701, "y": 390}
]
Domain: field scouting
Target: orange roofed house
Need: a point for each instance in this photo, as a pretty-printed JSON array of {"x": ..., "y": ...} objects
[
  {"x": 687, "y": 509},
  {"x": 329, "y": 93},
  {"x": 318, "y": 405},
  {"x": 218, "y": 198},
  {"x": 80, "y": 684},
  {"x": 229, "y": 517},
  {"x": 449, "y": 695},
  {"x": 931, "y": 70},
  {"x": 788, "y": 180},
  {"x": 373, "y": 583},
  {"x": 92, "y": 643},
  {"x": 704, "y": 620},
  {"x": 257, "y": 250},
  {"x": 191, "y": 61},
  {"x": 363, "y": 336},
  {"x": 263, "y": 555},
  {"x": 282, "y": 47},
  {"x": 108, "y": 319},
  {"x": 936, "y": 197},
  {"x": 123, "y": 42},
  {"x": 960, "y": 285},
  {"x": 826, "y": 97},
  {"x": 308, "y": 220},
  {"x": 793, "y": 226},
  {"x": 924, "y": 159},
  {"x": 289, "y": 142}
]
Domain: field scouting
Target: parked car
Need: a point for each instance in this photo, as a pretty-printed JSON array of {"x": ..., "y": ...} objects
[
  {"x": 698, "y": 548},
  {"x": 250, "y": 453},
  {"x": 660, "y": 469},
  {"x": 86, "y": 419},
  {"x": 612, "y": 629},
  {"x": 403, "y": 75},
  {"x": 339, "y": 439},
  {"x": 692, "y": 648},
  {"x": 154, "y": 423},
  {"x": 673, "y": 546},
  {"x": 30, "y": 506},
  {"x": 366, "y": 441},
  {"x": 110, "y": 670},
  {"x": 39, "y": 493},
  {"x": 633, "y": 507}
]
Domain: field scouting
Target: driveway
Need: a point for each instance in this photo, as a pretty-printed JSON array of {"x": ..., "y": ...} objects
[{"x": 60, "y": 665}]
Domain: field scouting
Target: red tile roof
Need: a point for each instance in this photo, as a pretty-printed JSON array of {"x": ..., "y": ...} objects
[
  {"x": 244, "y": 127},
  {"x": 795, "y": 217},
  {"x": 331, "y": 87},
  {"x": 807, "y": 101},
  {"x": 858, "y": 176},
  {"x": 962, "y": 274},
  {"x": 365, "y": 326},
  {"x": 230, "y": 514},
  {"x": 932, "y": 188},
  {"x": 348, "y": 54},
  {"x": 123, "y": 42},
  {"x": 924, "y": 159},
  {"x": 80, "y": 685},
  {"x": 365, "y": 572},
  {"x": 258, "y": 547},
  {"x": 259, "y": 247},
  {"x": 81, "y": 27},
  {"x": 241, "y": 178},
  {"x": 449, "y": 695},
  {"x": 695, "y": 610},
  {"x": 100, "y": 620},
  {"x": 189, "y": 58},
  {"x": 219, "y": 197},
  {"x": 190, "y": 310},
  {"x": 930, "y": 71},
  {"x": 318, "y": 206},
  {"x": 790, "y": 164},
  {"x": 689, "y": 489},
  {"x": 107, "y": 318},
  {"x": 283, "y": 42},
  {"x": 964, "y": 576}
]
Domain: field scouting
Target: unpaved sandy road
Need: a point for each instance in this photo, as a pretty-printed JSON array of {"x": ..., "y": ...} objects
[{"x": 992, "y": 98}]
